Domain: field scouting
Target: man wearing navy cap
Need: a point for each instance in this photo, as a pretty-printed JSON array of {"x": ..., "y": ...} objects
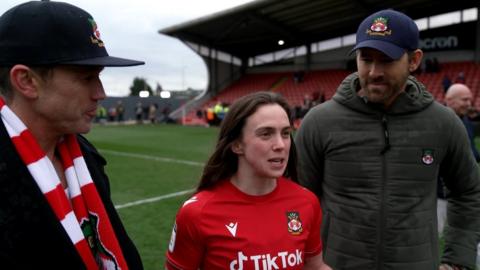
[
  {"x": 373, "y": 155},
  {"x": 55, "y": 206}
]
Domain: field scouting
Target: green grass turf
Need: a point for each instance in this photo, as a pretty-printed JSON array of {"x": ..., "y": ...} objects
[{"x": 133, "y": 178}]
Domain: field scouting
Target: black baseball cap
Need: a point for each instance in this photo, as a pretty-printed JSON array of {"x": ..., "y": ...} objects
[
  {"x": 52, "y": 33},
  {"x": 388, "y": 31}
]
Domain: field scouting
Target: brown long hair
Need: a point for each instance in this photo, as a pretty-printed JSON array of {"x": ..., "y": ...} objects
[{"x": 223, "y": 163}]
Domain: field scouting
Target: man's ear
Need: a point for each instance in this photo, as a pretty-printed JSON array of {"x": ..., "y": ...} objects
[
  {"x": 237, "y": 148},
  {"x": 24, "y": 81},
  {"x": 415, "y": 60}
]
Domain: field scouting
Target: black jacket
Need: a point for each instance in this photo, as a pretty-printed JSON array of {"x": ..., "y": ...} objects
[{"x": 30, "y": 235}]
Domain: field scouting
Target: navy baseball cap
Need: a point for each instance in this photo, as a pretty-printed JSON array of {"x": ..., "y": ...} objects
[
  {"x": 53, "y": 33},
  {"x": 388, "y": 31}
]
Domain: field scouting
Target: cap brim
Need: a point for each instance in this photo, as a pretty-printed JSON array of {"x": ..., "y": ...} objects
[
  {"x": 106, "y": 61},
  {"x": 391, "y": 50}
]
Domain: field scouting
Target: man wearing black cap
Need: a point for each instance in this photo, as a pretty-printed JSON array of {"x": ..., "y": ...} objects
[
  {"x": 55, "y": 206},
  {"x": 373, "y": 155}
]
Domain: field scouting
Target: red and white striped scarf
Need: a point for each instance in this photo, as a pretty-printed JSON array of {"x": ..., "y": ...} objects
[{"x": 88, "y": 209}]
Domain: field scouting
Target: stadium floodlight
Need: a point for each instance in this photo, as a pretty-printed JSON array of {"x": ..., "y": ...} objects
[
  {"x": 281, "y": 42},
  {"x": 165, "y": 94},
  {"x": 144, "y": 94}
]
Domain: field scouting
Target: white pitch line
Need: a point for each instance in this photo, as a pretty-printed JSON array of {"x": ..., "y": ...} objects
[
  {"x": 163, "y": 159},
  {"x": 154, "y": 199}
]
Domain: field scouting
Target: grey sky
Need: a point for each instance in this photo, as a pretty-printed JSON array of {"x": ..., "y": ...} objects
[{"x": 129, "y": 29}]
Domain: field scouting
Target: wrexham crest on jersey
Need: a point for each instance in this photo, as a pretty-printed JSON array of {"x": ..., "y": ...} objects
[
  {"x": 294, "y": 223},
  {"x": 427, "y": 156}
]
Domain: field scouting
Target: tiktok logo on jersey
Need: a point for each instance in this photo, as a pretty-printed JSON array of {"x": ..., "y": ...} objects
[{"x": 281, "y": 260}]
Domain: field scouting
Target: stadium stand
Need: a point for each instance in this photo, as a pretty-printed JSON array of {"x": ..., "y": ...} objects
[
  {"x": 326, "y": 82},
  {"x": 235, "y": 45},
  {"x": 433, "y": 80}
]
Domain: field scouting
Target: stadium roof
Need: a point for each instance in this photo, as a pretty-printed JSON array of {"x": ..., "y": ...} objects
[{"x": 255, "y": 28}]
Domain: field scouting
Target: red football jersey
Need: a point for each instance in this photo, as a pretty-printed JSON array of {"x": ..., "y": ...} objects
[{"x": 224, "y": 228}]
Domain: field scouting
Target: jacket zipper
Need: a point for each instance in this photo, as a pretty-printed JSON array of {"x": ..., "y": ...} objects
[
  {"x": 381, "y": 220},
  {"x": 386, "y": 135}
]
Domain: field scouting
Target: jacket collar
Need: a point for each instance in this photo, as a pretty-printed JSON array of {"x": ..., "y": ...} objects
[{"x": 415, "y": 98}]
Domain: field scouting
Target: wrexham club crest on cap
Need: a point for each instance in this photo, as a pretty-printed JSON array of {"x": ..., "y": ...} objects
[
  {"x": 427, "y": 156},
  {"x": 95, "y": 38},
  {"x": 294, "y": 223},
  {"x": 379, "y": 27}
]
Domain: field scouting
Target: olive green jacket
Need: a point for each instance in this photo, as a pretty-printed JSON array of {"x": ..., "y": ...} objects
[{"x": 376, "y": 172}]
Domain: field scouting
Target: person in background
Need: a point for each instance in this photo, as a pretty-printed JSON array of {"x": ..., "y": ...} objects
[
  {"x": 165, "y": 114},
  {"x": 459, "y": 99},
  {"x": 139, "y": 112},
  {"x": 112, "y": 113},
  {"x": 218, "y": 110},
  {"x": 152, "y": 113},
  {"x": 55, "y": 206},
  {"x": 210, "y": 116},
  {"x": 473, "y": 114},
  {"x": 248, "y": 210},
  {"x": 306, "y": 105},
  {"x": 120, "y": 110},
  {"x": 318, "y": 97},
  {"x": 374, "y": 152},
  {"x": 101, "y": 114},
  {"x": 460, "y": 77},
  {"x": 446, "y": 82}
]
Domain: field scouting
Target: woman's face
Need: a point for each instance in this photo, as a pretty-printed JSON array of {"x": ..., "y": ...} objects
[{"x": 264, "y": 146}]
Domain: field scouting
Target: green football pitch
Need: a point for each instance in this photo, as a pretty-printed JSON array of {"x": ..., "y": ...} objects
[{"x": 152, "y": 170}]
